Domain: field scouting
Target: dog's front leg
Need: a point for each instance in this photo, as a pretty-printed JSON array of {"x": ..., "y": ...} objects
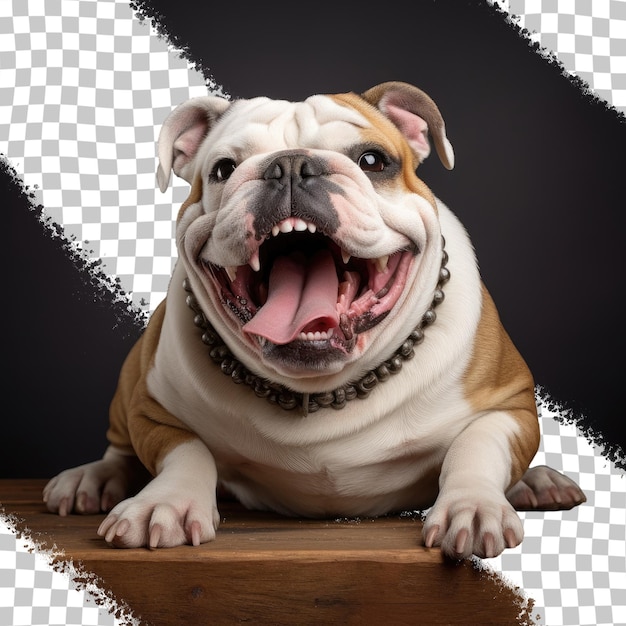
[
  {"x": 472, "y": 514},
  {"x": 177, "y": 507}
]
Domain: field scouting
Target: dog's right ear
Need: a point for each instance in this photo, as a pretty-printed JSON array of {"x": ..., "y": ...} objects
[{"x": 181, "y": 135}]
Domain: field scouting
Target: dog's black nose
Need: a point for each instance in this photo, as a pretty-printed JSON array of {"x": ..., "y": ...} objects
[{"x": 293, "y": 168}]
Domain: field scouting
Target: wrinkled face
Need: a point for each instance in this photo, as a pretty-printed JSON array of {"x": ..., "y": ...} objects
[{"x": 316, "y": 247}]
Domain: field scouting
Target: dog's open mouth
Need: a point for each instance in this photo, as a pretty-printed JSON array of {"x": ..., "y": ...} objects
[{"x": 301, "y": 288}]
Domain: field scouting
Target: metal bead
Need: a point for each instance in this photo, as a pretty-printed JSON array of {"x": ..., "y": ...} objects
[
  {"x": 228, "y": 366},
  {"x": 208, "y": 338},
  {"x": 238, "y": 374},
  {"x": 429, "y": 317},
  {"x": 444, "y": 275},
  {"x": 369, "y": 381},
  {"x": 340, "y": 398},
  {"x": 417, "y": 336},
  {"x": 366, "y": 384},
  {"x": 382, "y": 372},
  {"x": 191, "y": 301},
  {"x": 219, "y": 352},
  {"x": 186, "y": 284},
  {"x": 438, "y": 297},
  {"x": 406, "y": 349},
  {"x": 361, "y": 392},
  {"x": 350, "y": 392},
  {"x": 395, "y": 364},
  {"x": 287, "y": 401},
  {"x": 325, "y": 399},
  {"x": 261, "y": 390}
]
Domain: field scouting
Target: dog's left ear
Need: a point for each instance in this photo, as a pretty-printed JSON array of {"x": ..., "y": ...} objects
[
  {"x": 182, "y": 133},
  {"x": 415, "y": 114}
]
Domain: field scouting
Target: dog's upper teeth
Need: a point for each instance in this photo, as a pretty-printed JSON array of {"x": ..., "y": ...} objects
[
  {"x": 293, "y": 223},
  {"x": 346, "y": 256},
  {"x": 231, "y": 270},
  {"x": 381, "y": 263}
]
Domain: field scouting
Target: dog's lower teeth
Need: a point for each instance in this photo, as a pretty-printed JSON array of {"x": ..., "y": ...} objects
[
  {"x": 232, "y": 273},
  {"x": 316, "y": 336}
]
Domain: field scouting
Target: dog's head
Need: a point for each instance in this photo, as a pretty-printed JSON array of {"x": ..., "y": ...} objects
[{"x": 311, "y": 244}]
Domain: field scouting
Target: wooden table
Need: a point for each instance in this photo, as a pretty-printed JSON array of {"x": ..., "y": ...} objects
[{"x": 267, "y": 569}]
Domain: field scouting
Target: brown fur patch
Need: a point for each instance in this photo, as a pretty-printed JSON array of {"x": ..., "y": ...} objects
[
  {"x": 195, "y": 195},
  {"x": 498, "y": 379},
  {"x": 385, "y": 133},
  {"x": 138, "y": 423}
]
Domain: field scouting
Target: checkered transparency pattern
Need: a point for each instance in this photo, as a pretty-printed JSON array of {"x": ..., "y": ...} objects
[
  {"x": 32, "y": 592},
  {"x": 84, "y": 88},
  {"x": 588, "y": 38},
  {"x": 573, "y": 563}
]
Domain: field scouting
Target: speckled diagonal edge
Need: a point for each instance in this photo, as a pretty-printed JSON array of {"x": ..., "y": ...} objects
[{"x": 587, "y": 38}]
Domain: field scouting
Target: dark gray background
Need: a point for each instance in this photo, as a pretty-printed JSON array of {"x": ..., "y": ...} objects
[{"x": 538, "y": 183}]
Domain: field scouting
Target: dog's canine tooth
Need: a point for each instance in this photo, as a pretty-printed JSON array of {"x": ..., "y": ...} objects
[
  {"x": 254, "y": 262},
  {"x": 346, "y": 256},
  {"x": 231, "y": 270},
  {"x": 381, "y": 263}
]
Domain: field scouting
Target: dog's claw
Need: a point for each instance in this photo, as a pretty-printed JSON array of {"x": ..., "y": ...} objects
[
  {"x": 195, "y": 531},
  {"x": 489, "y": 545},
  {"x": 64, "y": 507},
  {"x": 155, "y": 536},
  {"x": 431, "y": 535},
  {"x": 461, "y": 541},
  {"x": 110, "y": 528},
  {"x": 509, "y": 538},
  {"x": 81, "y": 502}
]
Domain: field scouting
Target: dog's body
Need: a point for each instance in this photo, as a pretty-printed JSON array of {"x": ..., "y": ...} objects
[{"x": 314, "y": 264}]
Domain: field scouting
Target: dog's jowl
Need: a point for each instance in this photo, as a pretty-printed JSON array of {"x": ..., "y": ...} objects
[{"x": 326, "y": 347}]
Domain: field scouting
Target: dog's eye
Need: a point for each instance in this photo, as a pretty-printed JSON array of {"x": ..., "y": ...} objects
[
  {"x": 371, "y": 162},
  {"x": 223, "y": 170}
]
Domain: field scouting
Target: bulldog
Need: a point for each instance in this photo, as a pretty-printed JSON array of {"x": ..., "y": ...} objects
[{"x": 326, "y": 347}]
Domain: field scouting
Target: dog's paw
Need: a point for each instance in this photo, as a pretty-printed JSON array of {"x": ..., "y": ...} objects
[
  {"x": 544, "y": 489},
  {"x": 463, "y": 523},
  {"x": 161, "y": 518},
  {"x": 94, "y": 487}
]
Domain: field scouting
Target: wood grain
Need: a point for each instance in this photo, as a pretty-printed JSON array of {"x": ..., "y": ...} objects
[{"x": 268, "y": 569}]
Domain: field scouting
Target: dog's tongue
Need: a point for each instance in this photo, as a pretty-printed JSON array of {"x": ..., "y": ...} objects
[{"x": 302, "y": 296}]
